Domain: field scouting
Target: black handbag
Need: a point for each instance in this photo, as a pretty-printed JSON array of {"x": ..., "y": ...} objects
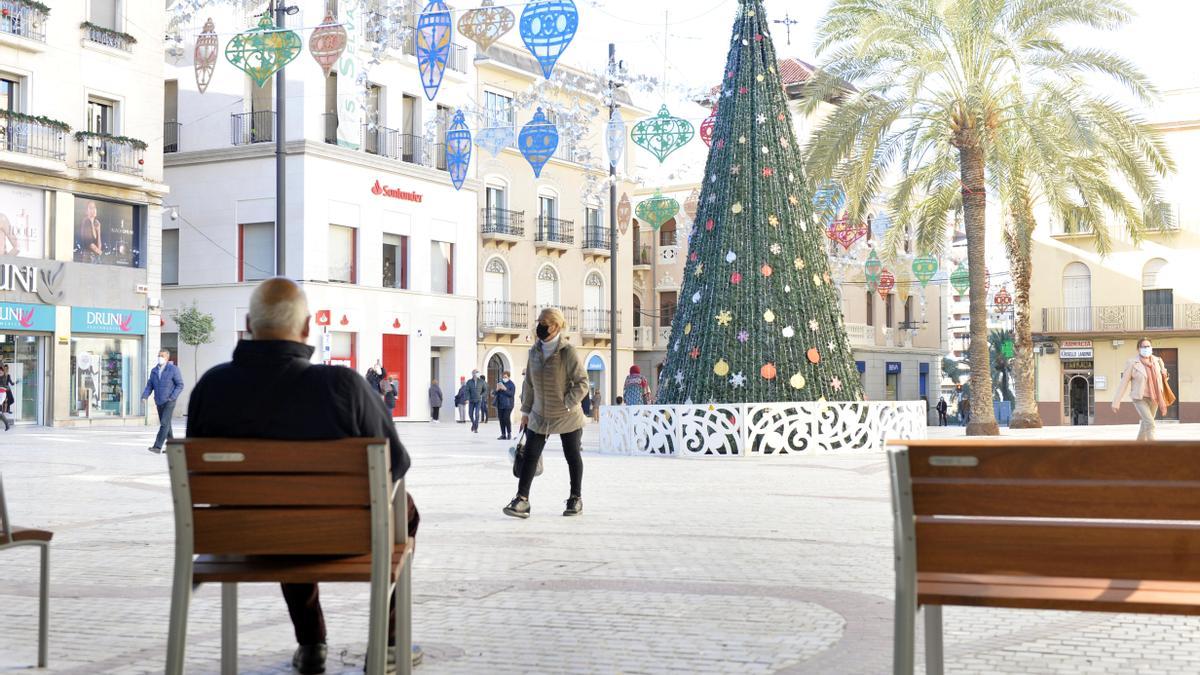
[{"x": 518, "y": 457}]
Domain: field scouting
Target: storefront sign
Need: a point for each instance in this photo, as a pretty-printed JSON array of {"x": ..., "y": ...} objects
[
  {"x": 108, "y": 321},
  {"x": 396, "y": 193},
  {"x": 321, "y": 318},
  {"x": 1101, "y": 382},
  {"x": 1076, "y": 344},
  {"x": 22, "y": 220},
  {"x": 893, "y": 367},
  {"x": 26, "y": 317},
  {"x": 1077, "y": 365},
  {"x": 1076, "y": 353}
]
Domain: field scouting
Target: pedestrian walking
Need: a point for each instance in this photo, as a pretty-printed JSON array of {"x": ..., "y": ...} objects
[
  {"x": 376, "y": 375},
  {"x": 485, "y": 399},
  {"x": 637, "y": 389},
  {"x": 941, "y": 411},
  {"x": 7, "y": 383},
  {"x": 555, "y": 383},
  {"x": 166, "y": 383},
  {"x": 505, "y": 396},
  {"x": 1145, "y": 378},
  {"x": 460, "y": 399},
  {"x": 435, "y": 400},
  {"x": 474, "y": 396},
  {"x": 964, "y": 410},
  {"x": 391, "y": 391}
]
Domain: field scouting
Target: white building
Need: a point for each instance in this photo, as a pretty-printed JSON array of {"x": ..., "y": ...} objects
[{"x": 382, "y": 243}]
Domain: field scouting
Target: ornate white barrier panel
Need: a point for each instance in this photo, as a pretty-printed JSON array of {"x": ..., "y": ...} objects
[{"x": 733, "y": 429}]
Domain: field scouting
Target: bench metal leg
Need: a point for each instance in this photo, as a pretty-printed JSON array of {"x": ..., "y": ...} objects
[
  {"x": 404, "y": 620},
  {"x": 903, "y": 642},
  {"x": 377, "y": 629},
  {"x": 181, "y": 595},
  {"x": 44, "y": 608},
  {"x": 229, "y": 628},
  {"x": 934, "y": 654}
]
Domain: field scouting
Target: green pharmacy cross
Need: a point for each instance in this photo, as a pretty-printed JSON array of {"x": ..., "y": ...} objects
[{"x": 261, "y": 51}]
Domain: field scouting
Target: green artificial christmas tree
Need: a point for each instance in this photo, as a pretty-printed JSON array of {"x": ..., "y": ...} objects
[{"x": 758, "y": 318}]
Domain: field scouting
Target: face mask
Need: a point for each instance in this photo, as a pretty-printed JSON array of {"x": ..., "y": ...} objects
[
  {"x": 504, "y": 379},
  {"x": 1146, "y": 351},
  {"x": 543, "y": 331},
  {"x": 162, "y": 361}
]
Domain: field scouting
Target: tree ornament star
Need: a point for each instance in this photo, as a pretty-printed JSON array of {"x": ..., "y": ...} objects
[
  {"x": 793, "y": 200},
  {"x": 735, "y": 170},
  {"x": 776, "y": 249},
  {"x": 724, "y": 318},
  {"x": 814, "y": 325},
  {"x": 773, "y": 219},
  {"x": 742, "y": 140},
  {"x": 799, "y": 263},
  {"x": 699, "y": 270},
  {"x": 679, "y": 377},
  {"x": 767, "y": 172},
  {"x": 761, "y": 118},
  {"x": 836, "y": 383},
  {"x": 738, "y": 380},
  {"x": 743, "y": 336},
  {"x": 829, "y": 345},
  {"x": 695, "y": 353}
]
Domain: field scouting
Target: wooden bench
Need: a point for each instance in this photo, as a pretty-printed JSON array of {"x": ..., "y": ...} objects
[
  {"x": 1062, "y": 525},
  {"x": 292, "y": 512},
  {"x": 12, "y": 536}
]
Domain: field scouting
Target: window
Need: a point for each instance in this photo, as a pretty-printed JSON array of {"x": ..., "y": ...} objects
[
  {"x": 1077, "y": 297},
  {"x": 444, "y": 116},
  {"x": 498, "y": 110},
  {"x": 342, "y": 254},
  {"x": 889, "y": 312},
  {"x": 101, "y": 119},
  {"x": 594, "y": 237},
  {"x": 10, "y": 94},
  {"x": 170, "y": 342},
  {"x": 106, "y": 377},
  {"x": 374, "y": 138},
  {"x": 1157, "y": 297},
  {"x": 341, "y": 349},
  {"x": 666, "y": 308},
  {"x": 170, "y": 257},
  {"x": 637, "y": 312},
  {"x": 870, "y": 308},
  {"x": 666, "y": 233},
  {"x": 908, "y": 312},
  {"x": 548, "y": 218},
  {"x": 595, "y": 319},
  {"x": 441, "y": 267},
  {"x": 547, "y": 287},
  {"x": 105, "y": 13},
  {"x": 497, "y": 197},
  {"x": 892, "y": 387},
  {"x": 495, "y": 282},
  {"x": 410, "y": 146},
  {"x": 395, "y": 261},
  {"x": 256, "y": 251}
]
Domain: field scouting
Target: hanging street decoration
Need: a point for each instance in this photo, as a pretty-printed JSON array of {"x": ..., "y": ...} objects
[
  {"x": 495, "y": 139},
  {"x": 880, "y": 224},
  {"x": 887, "y": 281},
  {"x": 615, "y": 139},
  {"x": 663, "y": 134},
  {"x": 205, "y": 55},
  {"x": 1002, "y": 301},
  {"x": 924, "y": 268},
  {"x": 458, "y": 150},
  {"x": 547, "y": 27},
  {"x": 327, "y": 43},
  {"x": 691, "y": 205},
  {"x": 261, "y": 51},
  {"x": 486, "y": 24},
  {"x": 872, "y": 270},
  {"x": 624, "y": 212},
  {"x": 538, "y": 141},
  {"x": 844, "y": 233},
  {"x": 657, "y": 210},
  {"x": 708, "y": 126},
  {"x": 433, "y": 45},
  {"x": 961, "y": 279}
]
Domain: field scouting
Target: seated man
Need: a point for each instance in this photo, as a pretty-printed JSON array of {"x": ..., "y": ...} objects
[{"x": 272, "y": 390}]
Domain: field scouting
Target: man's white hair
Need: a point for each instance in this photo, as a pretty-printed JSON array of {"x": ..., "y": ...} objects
[{"x": 277, "y": 312}]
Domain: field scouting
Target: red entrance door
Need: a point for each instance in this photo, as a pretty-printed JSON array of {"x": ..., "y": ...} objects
[{"x": 395, "y": 361}]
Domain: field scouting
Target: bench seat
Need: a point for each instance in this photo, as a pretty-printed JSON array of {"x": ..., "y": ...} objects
[
  {"x": 292, "y": 569},
  {"x": 1060, "y": 593},
  {"x": 30, "y": 534}
]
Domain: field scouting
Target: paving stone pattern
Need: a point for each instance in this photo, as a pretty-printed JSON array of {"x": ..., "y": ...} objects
[{"x": 755, "y": 565}]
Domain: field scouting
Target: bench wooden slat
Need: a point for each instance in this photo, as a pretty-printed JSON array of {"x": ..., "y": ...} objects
[
  {"x": 1074, "y": 460},
  {"x": 293, "y": 569},
  {"x": 30, "y": 534},
  {"x": 1069, "y": 582},
  {"x": 1127, "y": 500},
  {"x": 294, "y": 531},
  {"x": 1047, "y": 595},
  {"x": 270, "y": 456},
  {"x": 321, "y": 489}
]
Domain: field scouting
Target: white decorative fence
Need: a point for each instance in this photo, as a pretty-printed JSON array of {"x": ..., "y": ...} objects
[{"x": 732, "y": 429}]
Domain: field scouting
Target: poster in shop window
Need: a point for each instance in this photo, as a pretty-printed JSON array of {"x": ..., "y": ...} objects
[
  {"x": 105, "y": 232},
  {"x": 22, "y": 221}
]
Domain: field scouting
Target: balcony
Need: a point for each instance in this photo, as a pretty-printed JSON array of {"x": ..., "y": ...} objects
[
  {"x": 30, "y": 143},
  {"x": 642, "y": 258},
  {"x": 597, "y": 323},
  {"x": 117, "y": 161},
  {"x": 252, "y": 127},
  {"x": 502, "y": 225},
  {"x": 499, "y": 317},
  {"x": 554, "y": 234},
  {"x": 643, "y": 338},
  {"x": 107, "y": 37},
  {"x": 571, "y": 314},
  {"x": 23, "y": 21},
  {"x": 1120, "y": 319},
  {"x": 860, "y": 335},
  {"x": 171, "y": 136},
  {"x": 596, "y": 241}
]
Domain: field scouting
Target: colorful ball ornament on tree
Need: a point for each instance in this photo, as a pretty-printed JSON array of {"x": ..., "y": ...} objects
[
  {"x": 924, "y": 268},
  {"x": 486, "y": 24},
  {"x": 538, "y": 141},
  {"x": 708, "y": 126},
  {"x": 814, "y": 356},
  {"x": 721, "y": 367},
  {"x": 458, "y": 150},
  {"x": 327, "y": 43},
  {"x": 433, "y": 45},
  {"x": 657, "y": 210},
  {"x": 547, "y": 28},
  {"x": 663, "y": 133},
  {"x": 887, "y": 281},
  {"x": 261, "y": 51},
  {"x": 797, "y": 381},
  {"x": 768, "y": 371},
  {"x": 205, "y": 55},
  {"x": 624, "y": 212},
  {"x": 960, "y": 278}
]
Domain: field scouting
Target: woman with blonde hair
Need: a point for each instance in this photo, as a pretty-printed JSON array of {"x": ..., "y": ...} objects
[{"x": 555, "y": 383}]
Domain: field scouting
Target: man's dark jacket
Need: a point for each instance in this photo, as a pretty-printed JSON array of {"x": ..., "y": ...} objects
[{"x": 271, "y": 390}]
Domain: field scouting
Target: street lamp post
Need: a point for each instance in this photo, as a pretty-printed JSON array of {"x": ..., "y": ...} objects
[
  {"x": 612, "y": 229},
  {"x": 280, "y": 11}
]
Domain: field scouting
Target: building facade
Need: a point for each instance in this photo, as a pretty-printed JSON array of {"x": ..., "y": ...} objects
[
  {"x": 80, "y": 208},
  {"x": 383, "y": 244}
]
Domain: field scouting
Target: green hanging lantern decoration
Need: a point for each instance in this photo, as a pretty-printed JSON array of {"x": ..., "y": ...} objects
[
  {"x": 663, "y": 134},
  {"x": 261, "y": 51},
  {"x": 924, "y": 268},
  {"x": 657, "y": 210},
  {"x": 960, "y": 279},
  {"x": 872, "y": 269}
]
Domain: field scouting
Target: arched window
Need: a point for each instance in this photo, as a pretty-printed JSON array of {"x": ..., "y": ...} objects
[
  {"x": 497, "y": 217},
  {"x": 637, "y": 311},
  {"x": 547, "y": 287},
  {"x": 594, "y": 317},
  {"x": 666, "y": 234},
  {"x": 1077, "y": 297},
  {"x": 496, "y": 309},
  {"x": 1158, "y": 298}
]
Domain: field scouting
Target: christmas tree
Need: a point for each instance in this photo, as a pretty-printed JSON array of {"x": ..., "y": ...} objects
[{"x": 758, "y": 318}]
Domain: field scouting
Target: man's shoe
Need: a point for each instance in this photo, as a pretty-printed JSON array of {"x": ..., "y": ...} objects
[
  {"x": 155, "y": 450},
  {"x": 574, "y": 506},
  {"x": 309, "y": 659},
  {"x": 517, "y": 508}
]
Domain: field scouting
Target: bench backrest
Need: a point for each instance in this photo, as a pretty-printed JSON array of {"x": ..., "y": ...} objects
[
  {"x": 1093, "y": 509},
  {"x": 5, "y": 527},
  {"x": 266, "y": 497}
]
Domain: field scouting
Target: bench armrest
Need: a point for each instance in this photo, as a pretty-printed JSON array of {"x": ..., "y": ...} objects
[{"x": 400, "y": 510}]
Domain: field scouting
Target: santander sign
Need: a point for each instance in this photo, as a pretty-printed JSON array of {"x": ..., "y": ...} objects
[{"x": 396, "y": 193}]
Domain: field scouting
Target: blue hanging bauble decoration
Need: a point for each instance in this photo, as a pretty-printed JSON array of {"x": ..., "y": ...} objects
[
  {"x": 538, "y": 140},
  {"x": 880, "y": 224},
  {"x": 495, "y": 139},
  {"x": 615, "y": 138},
  {"x": 433, "y": 45},
  {"x": 547, "y": 27},
  {"x": 458, "y": 150}
]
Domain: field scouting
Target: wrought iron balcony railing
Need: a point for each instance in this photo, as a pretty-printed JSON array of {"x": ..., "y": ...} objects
[
  {"x": 18, "y": 18},
  {"x": 502, "y": 221},
  {"x": 31, "y": 137},
  {"x": 501, "y": 314},
  {"x": 555, "y": 230},
  {"x": 252, "y": 127},
  {"x": 1120, "y": 318},
  {"x": 171, "y": 136}
]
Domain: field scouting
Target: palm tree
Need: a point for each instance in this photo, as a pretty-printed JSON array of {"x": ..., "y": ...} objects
[
  {"x": 937, "y": 88},
  {"x": 1002, "y": 366}
]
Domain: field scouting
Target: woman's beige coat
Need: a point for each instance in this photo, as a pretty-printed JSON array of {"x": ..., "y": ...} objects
[
  {"x": 1135, "y": 378},
  {"x": 554, "y": 386}
]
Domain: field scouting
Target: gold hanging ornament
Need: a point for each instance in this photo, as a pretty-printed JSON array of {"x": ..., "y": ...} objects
[{"x": 486, "y": 24}]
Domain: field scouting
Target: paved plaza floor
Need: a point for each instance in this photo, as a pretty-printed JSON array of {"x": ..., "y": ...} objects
[{"x": 685, "y": 566}]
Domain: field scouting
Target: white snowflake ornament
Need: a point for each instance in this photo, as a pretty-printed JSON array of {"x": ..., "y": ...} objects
[{"x": 738, "y": 380}]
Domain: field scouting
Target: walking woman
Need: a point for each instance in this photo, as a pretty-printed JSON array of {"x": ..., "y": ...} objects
[
  {"x": 1145, "y": 378},
  {"x": 506, "y": 393},
  {"x": 555, "y": 383},
  {"x": 435, "y": 400}
]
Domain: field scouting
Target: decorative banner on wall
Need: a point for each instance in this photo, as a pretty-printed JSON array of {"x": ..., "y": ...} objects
[
  {"x": 458, "y": 150},
  {"x": 261, "y": 51},
  {"x": 538, "y": 141},
  {"x": 657, "y": 210},
  {"x": 615, "y": 138},
  {"x": 485, "y": 25},
  {"x": 433, "y": 45},
  {"x": 495, "y": 139},
  {"x": 348, "y": 69},
  {"x": 205, "y": 55},
  {"x": 663, "y": 134},
  {"x": 547, "y": 27},
  {"x": 327, "y": 43},
  {"x": 924, "y": 268},
  {"x": 624, "y": 212}
]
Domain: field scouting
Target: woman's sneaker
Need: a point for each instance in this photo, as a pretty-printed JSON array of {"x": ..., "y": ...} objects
[
  {"x": 574, "y": 506},
  {"x": 517, "y": 508}
]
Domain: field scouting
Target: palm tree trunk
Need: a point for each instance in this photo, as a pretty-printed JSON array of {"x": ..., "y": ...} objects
[
  {"x": 974, "y": 197},
  {"x": 1026, "y": 414}
]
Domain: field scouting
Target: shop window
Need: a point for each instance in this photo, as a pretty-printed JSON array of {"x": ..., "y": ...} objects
[
  {"x": 395, "y": 261},
  {"x": 256, "y": 251},
  {"x": 106, "y": 377},
  {"x": 108, "y": 233},
  {"x": 341, "y": 349},
  {"x": 25, "y": 356},
  {"x": 441, "y": 266},
  {"x": 170, "y": 257},
  {"x": 342, "y": 261}
]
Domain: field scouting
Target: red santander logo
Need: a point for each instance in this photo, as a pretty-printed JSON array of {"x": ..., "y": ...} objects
[{"x": 396, "y": 193}]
